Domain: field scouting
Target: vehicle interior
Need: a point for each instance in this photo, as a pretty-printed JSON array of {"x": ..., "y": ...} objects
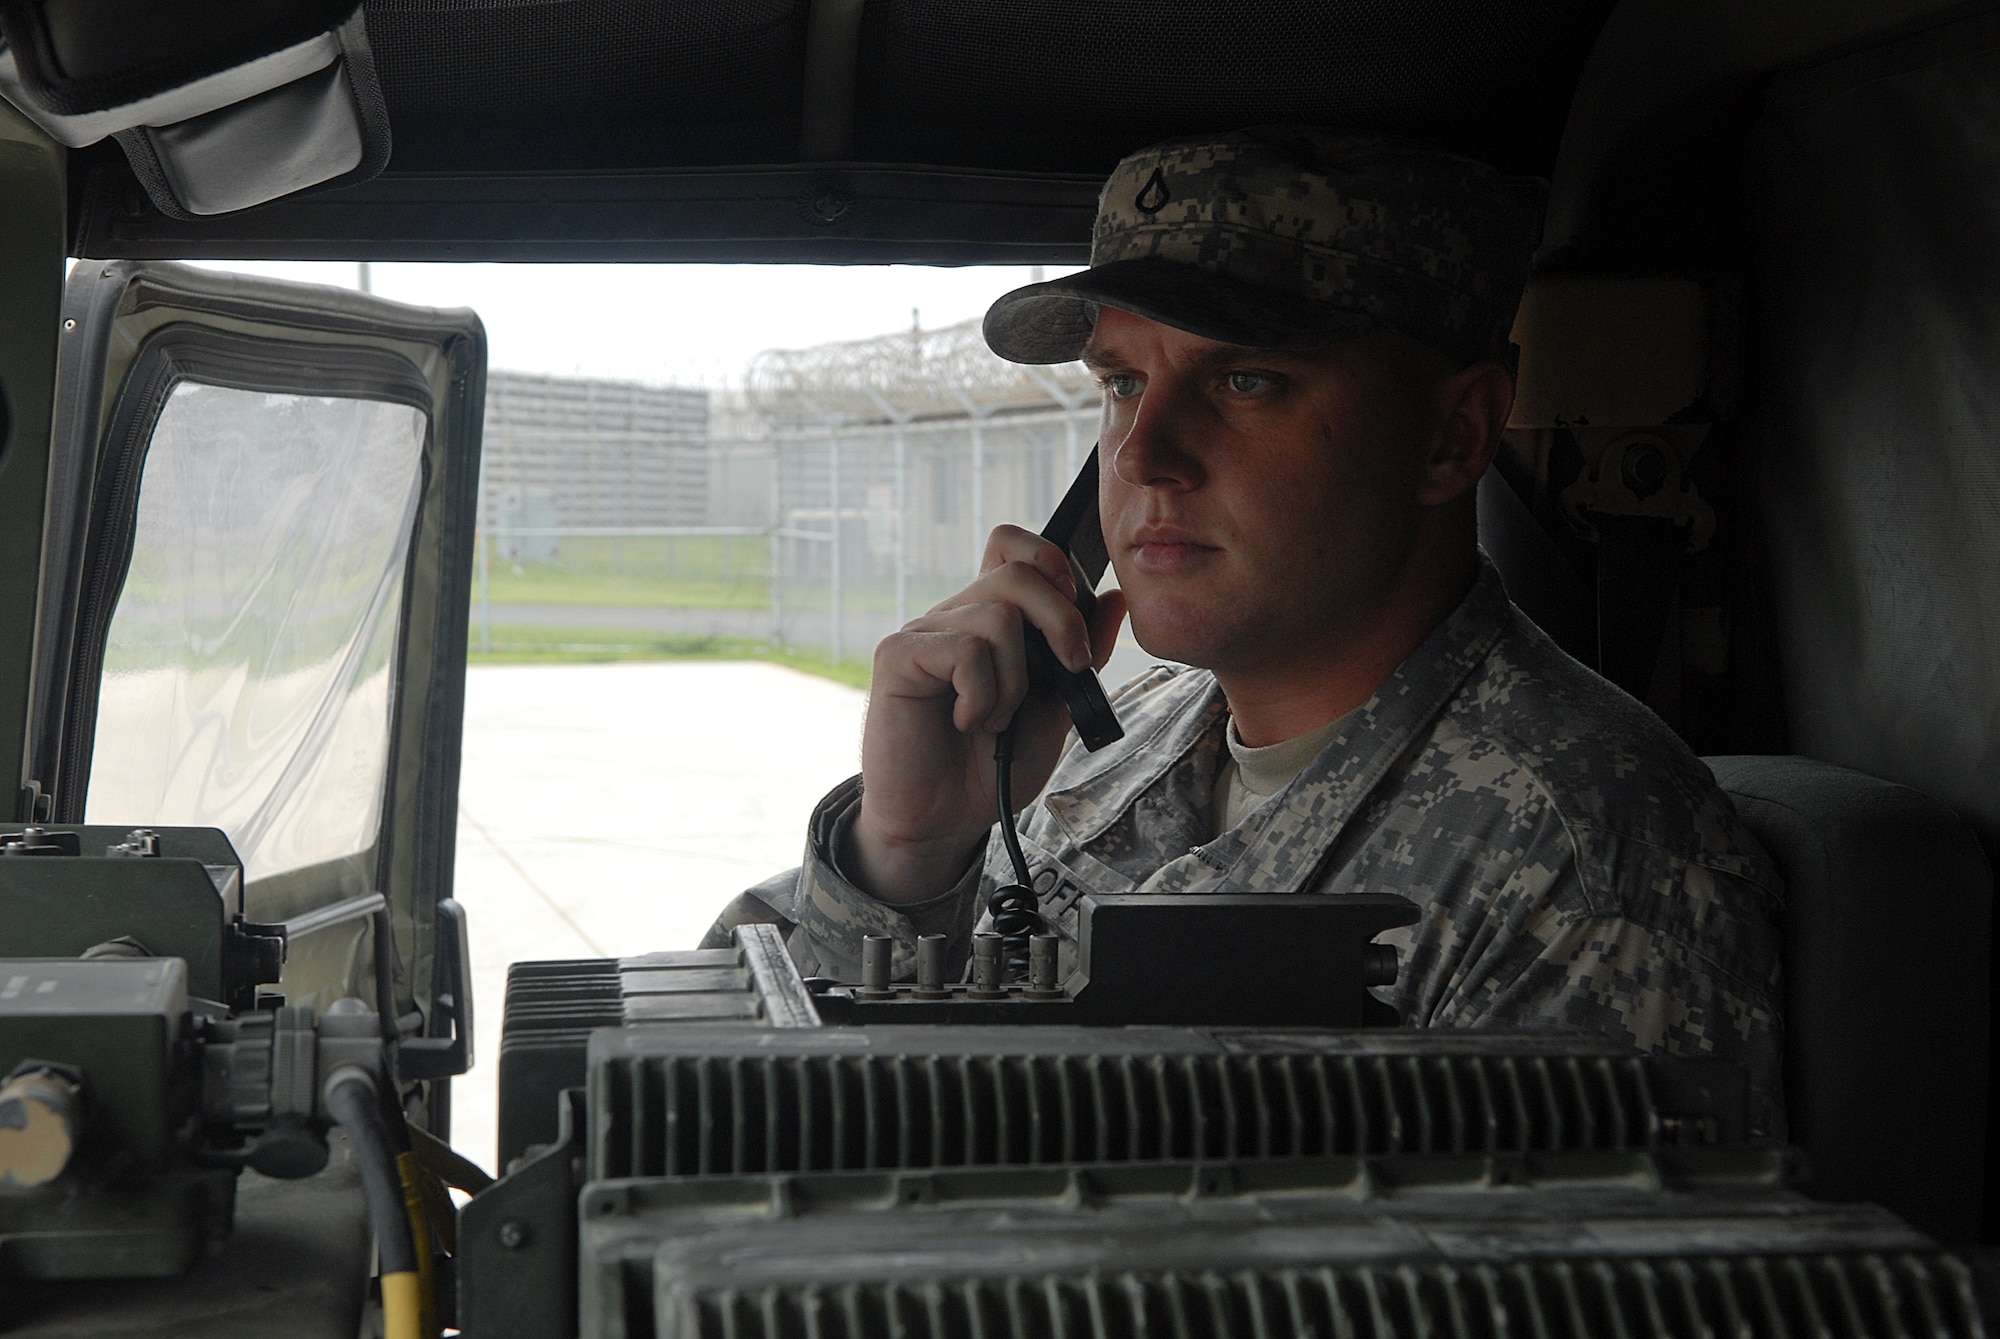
[{"x": 1752, "y": 476}]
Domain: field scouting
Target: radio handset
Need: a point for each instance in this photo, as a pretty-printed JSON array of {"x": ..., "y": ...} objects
[{"x": 1078, "y": 531}]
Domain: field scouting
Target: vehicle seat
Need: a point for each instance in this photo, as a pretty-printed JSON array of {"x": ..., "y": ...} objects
[{"x": 1887, "y": 952}]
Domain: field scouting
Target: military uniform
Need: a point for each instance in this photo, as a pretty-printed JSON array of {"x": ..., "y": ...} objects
[{"x": 1577, "y": 867}]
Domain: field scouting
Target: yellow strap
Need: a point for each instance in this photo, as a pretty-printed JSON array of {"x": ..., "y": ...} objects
[
  {"x": 420, "y": 1232},
  {"x": 402, "y": 1307},
  {"x": 443, "y": 1214}
]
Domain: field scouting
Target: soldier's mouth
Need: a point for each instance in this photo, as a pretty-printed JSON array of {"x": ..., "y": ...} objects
[{"x": 1168, "y": 549}]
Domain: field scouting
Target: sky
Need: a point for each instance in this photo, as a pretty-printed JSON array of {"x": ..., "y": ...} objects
[{"x": 670, "y": 324}]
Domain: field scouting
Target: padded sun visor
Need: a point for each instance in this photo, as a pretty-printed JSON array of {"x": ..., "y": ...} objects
[
  {"x": 79, "y": 57},
  {"x": 198, "y": 97},
  {"x": 307, "y": 116},
  {"x": 277, "y": 143}
]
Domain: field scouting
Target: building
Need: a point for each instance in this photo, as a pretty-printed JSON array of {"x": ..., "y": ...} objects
[{"x": 575, "y": 452}]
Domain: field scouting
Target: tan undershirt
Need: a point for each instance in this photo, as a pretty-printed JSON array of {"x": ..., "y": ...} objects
[{"x": 1252, "y": 776}]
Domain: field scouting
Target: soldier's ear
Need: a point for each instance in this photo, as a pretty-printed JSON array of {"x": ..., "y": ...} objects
[{"x": 1472, "y": 407}]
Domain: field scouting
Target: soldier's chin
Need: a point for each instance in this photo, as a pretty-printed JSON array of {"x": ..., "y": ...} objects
[{"x": 1187, "y": 636}]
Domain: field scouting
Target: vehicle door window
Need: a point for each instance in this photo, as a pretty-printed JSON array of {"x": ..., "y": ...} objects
[{"x": 248, "y": 664}]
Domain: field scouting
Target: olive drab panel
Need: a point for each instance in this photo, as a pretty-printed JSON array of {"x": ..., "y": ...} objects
[{"x": 255, "y": 598}]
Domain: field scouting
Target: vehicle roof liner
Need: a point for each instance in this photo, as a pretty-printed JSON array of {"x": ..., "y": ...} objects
[{"x": 607, "y": 129}]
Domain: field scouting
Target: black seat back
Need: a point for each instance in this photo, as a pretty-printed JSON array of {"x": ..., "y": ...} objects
[{"x": 1887, "y": 953}]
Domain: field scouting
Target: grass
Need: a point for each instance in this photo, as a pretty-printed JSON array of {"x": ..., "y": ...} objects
[
  {"x": 514, "y": 644},
  {"x": 694, "y": 572},
  {"x": 554, "y": 585},
  {"x": 691, "y": 572}
]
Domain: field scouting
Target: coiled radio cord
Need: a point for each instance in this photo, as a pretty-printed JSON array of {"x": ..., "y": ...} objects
[{"x": 1016, "y": 911}]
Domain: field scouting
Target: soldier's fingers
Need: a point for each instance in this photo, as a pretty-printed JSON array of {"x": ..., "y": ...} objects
[
  {"x": 988, "y": 632},
  {"x": 1058, "y": 618},
  {"x": 1026, "y": 587},
  {"x": 997, "y": 625},
  {"x": 962, "y": 659},
  {"x": 1012, "y": 544},
  {"x": 1044, "y": 606}
]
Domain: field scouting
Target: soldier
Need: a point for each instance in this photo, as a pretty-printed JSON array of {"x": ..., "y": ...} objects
[{"x": 1302, "y": 337}]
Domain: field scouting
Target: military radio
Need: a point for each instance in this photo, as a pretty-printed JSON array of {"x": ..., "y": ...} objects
[{"x": 1197, "y": 1119}]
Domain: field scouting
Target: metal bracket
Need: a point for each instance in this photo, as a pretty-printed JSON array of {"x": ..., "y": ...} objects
[
  {"x": 253, "y": 955},
  {"x": 517, "y": 1241},
  {"x": 425, "y": 1058},
  {"x": 35, "y": 805},
  {"x": 1639, "y": 474},
  {"x": 786, "y": 1003}
]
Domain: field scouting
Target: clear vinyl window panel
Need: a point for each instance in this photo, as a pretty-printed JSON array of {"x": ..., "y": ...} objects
[{"x": 248, "y": 667}]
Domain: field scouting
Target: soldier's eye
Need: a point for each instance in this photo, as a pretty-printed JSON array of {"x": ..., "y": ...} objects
[
  {"x": 1119, "y": 386},
  {"x": 1248, "y": 383}
]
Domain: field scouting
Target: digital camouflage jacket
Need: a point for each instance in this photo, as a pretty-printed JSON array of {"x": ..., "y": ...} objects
[{"x": 1577, "y": 866}]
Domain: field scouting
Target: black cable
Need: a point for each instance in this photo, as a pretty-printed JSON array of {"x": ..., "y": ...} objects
[
  {"x": 1016, "y": 911},
  {"x": 393, "y": 1117},
  {"x": 1003, "y": 786},
  {"x": 351, "y": 1100}
]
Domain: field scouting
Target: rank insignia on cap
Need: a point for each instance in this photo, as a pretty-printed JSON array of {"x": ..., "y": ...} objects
[{"x": 1152, "y": 197}]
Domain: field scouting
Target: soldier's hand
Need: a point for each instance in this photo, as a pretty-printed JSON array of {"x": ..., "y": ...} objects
[{"x": 944, "y": 686}]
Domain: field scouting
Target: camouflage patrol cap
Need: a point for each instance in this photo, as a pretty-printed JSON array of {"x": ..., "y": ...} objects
[{"x": 1293, "y": 237}]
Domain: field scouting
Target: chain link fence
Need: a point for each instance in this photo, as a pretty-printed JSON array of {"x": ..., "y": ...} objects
[{"x": 844, "y": 490}]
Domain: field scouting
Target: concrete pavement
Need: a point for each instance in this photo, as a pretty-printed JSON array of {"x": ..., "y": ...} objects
[
  {"x": 610, "y": 810},
  {"x": 607, "y": 810}
]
